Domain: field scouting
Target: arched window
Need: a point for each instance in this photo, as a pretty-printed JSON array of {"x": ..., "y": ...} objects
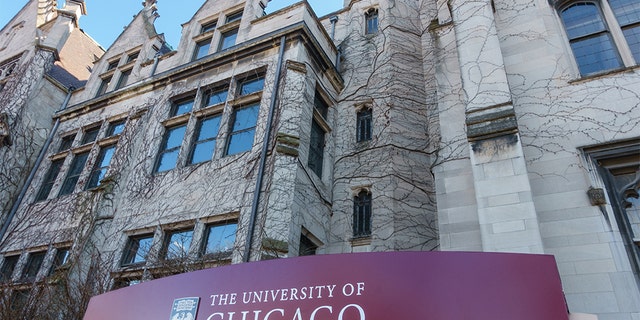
[
  {"x": 595, "y": 30},
  {"x": 362, "y": 214},
  {"x": 371, "y": 21}
]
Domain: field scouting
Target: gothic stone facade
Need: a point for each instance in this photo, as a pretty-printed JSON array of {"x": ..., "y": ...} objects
[{"x": 387, "y": 125}]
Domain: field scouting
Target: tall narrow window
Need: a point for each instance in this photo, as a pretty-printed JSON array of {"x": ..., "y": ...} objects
[
  {"x": 104, "y": 86},
  {"x": 244, "y": 128},
  {"x": 363, "y": 125},
  {"x": 320, "y": 105},
  {"x": 8, "y": 265},
  {"x": 170, "y": 149},
  {"x": 627, "y": 13},
  {"x": 101, "y": 166},
  {"x": 228, "y": 39},
  {"x": 177, "y": 244},
  {"x": 124, "y": 78},
  {"x": 316, "y": 148},
  {"x": 371, "y": 20},
  {"x": 362, "y": 215},
  {"x": 74, "y": 173},
  {"x": 49, "y": 180},
  {"x": 590, "y": 39},
  {"x": 205, "y": 144},
  {"x": 137, "y": 250},
  {"x": 34, "y": 262},
  {"x": 60, "y": 259},
  {"x": 219, "y": 239}
]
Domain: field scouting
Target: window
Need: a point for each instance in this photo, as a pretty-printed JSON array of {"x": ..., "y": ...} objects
[
  {"x": 60, "y": 259},
  {"x": 228, "y": 39},
  {"x": 234, "y": 17},
  {"x": 316, "y": 148},
  {"x": 8, "y": 265},
  {"x": 115, "y": 128},
  {"x": 320, "y": 105},
  {"x": 363, "y": 125},
  {"x": 216, "y": 97},
  {"x": 182, "y": 107},
  {"x": 101, "y": 166},
  {"x": 250, "y": 86},
  {"x": 177, "y": 244},
  {"x": 219, "y": 239},
  {"x": 244, "y": 128},
  {"x": 137, "y": 250},
  {"x": 133, "y": 56},
  {"x": 208, "y": 27},
  {"x": 205, "y": 144},
  {"x": 49, "y": 180},
  {"x": 307, "y": 247},
  {"x": 124, "y": 78},
  {"x": 589, "y": 31},
  {"x": 371, "y": 21},
  {"x": 202, "y": 49},
  {"x": 34, "y": 262},
  {"x": 66, "y": 142},
  {"x": 104, "y": 85},
  {"x": 170, "y": 149},
  {"x": 362, "y": 214},
  {"x": 90, "y": 135},
  {"x": 126, "y": 282},
  {"x": 74, "y": 173},
  {"x": 112, "y": 65}
]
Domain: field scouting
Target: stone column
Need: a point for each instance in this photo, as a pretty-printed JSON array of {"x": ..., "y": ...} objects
[{"x": 507, "y": 216}]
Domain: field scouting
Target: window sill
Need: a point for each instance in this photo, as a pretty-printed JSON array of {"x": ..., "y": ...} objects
[
  {"x": 361, "y": 241},
  {"x": 604, "y": 74}
]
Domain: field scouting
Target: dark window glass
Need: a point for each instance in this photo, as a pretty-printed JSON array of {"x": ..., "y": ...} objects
[
  {"x": 244, "y": 128},
  {"x": 589, "y": 38},
  {"x": 316, "y": 148},
  {"x": 90, "y": 135},
  {"x": 216, "y": 97},
  {"x": 220, "y": 239},
  {"x": 205, "y": 144},
  {"x": 74, "y": 173},
  {"x": 228, "y": 39},
  {"x": 251, "y": 86},
  {"x": 181, "y": 107},
  {"x": 101, "y": 166},
  {"x": 115, "y": 128},
  {"x": 371, "y": 18},
  {"x": 363, "y": 130},
  {"x": 177, "y": 244},
  {"x": 168, "y": 157},
  {"x": 234, "y": 17},
  {"x": 34, "y": 262},
  {"x": 133, "y": 56},
  {"x": 628, "y": 14},
  {"x": 307, "y": 247},
  {"x": 126, "y": 282},
  {"x": 112, "y": 65},
  {"x": 104, "y": 85},
  {"x": 362, "y": 215},
  {"x": 320, "y": 105},
  {"x": 202, "y": 49},
  {"x": 49, "y": 180},
  {"x": 137, "y": 249},
  {"x": 61, "y": 258},
  {"x": 66, "y": 142},
  {"x": 124, "y": 78},
  {"x": 208, "y": 27},
  {"x": 8, "y": 265}
]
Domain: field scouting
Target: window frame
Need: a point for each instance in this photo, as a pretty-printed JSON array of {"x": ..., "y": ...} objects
[
  {"x": 132, "y": 247},
  {"x": 362, "y": 214},
  {"x": 73, "y": 173},
  {"x": 371, "y": 21},
  {"x": 168, "y": 239},
  {"x": 234, "y": 132},
  {"x": 99, "y": 168},
  {"x": 364, "y": 124},
  {"x": 218, "y": 255},
  {"x": 163, "y": 150},
  {"x": 49, "y": 180},
  {"x": 104, "y": 85},
  {"x": 124, "y": 79},
  {"x": 197, "y": 52},
  {"x": 59, "y": 262},
  {"x": 196, "y": 141},
  {"x": 612, "y": 29},
  {"x": 32, "y": 267},
  {"x": 8, "y": 269},
  {"x": 224, "y": 36}
]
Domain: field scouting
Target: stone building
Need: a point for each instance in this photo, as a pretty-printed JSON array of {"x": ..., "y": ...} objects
[{"x": 502, "y": 126}]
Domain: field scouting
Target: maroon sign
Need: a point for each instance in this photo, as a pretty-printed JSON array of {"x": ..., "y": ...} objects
[{"x": 373, "y": 286}]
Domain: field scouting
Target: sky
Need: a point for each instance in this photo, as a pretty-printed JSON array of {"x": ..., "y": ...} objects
[{"x": 106, "y": 19}]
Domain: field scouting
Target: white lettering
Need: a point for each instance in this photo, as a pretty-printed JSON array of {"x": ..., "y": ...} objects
[
  {"x": 313, "y": 314},
  {"x": 216, "y": 314},
  {"x": 360, "y": 310},
  {"x": 344, "y": 290},
  {"x": 266, "y": 317},
  {"x": 360, "y": 288}
]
